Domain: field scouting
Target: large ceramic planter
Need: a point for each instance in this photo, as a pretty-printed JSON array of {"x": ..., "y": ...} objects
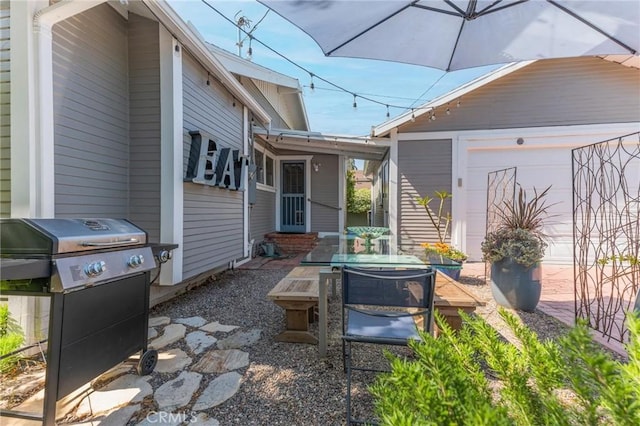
[
  {"x": 515, "y": 286},
  {"x": 452, "y": 269}
]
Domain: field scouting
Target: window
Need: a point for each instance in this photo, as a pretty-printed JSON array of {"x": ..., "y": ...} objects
[
  {"x": 269, "y": 171},
  {"x": 264, "y": 167},
  {"x": 259, "y": 156}
]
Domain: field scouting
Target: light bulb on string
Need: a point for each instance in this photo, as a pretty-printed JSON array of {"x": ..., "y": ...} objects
[
  {"x": 387, "y": 111},
  {"x": 458, "y": 104},
  {"x": 355, "y": 105},
  {"x": 311, "y": 86},
  {"x": 208, "y": 82},
  {"x": 413, "y": 116},
  {"x": 250, "y": 50},
  {"x": 448, "y": 111}
]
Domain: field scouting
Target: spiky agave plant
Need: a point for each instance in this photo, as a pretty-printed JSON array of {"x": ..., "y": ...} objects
[{"x": 527, "y": 214}]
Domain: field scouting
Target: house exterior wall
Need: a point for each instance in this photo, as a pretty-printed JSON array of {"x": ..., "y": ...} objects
[
  {"x": 263, "y": 215},
  {"x": 213, "y": 217},
  {"x": 555, "y": 92},
  {"x": 5, "y": 110},
  {"x": 266, "y": 93},
  {"x": 324, "y": 193},
  {"x": 91, "y": 115},
  {"x": 144, "y": 128},
  {"x": 425, "y": 168},
  {"x": 380, "y": 195}
]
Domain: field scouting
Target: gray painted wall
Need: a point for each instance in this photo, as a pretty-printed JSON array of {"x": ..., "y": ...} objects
[
  {"x": 277, "y": 121},
  {"x": 426, "y": 167},
  {"x": 5, "y": 111},
  {"x": 91, "y": 113},
  {"x": 556, "y": 92},
  {"x": 144, "y": 129},
  {"x": 213, "y": 218},
  {"x": 263, "y": 215},
  {"x": 324, "y": 190}
]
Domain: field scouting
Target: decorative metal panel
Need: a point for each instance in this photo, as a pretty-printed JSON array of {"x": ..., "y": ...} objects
[{"x": 606, "y": 222}]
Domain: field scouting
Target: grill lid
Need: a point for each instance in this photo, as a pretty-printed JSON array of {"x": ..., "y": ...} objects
[{"x": 43, "y": 237}]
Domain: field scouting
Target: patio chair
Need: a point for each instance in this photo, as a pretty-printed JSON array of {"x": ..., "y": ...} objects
[{"x": 370, "y": 314}]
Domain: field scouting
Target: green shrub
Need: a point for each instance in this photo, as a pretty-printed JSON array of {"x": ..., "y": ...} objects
[
  {"x": 11, "y": 338},
  {"x": 566, "y": 382}
]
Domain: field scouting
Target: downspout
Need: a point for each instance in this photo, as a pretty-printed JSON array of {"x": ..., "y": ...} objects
[{"x": 43, "y": 22}]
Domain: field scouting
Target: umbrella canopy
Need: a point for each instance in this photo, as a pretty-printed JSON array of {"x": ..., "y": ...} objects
[{"x": 453, "y": 34}]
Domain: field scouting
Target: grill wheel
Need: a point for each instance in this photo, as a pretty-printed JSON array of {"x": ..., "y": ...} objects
[{"x": 147, "y": 362}]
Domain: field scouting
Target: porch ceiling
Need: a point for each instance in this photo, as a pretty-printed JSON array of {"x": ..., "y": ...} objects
[{"x": 359, "y": 147}]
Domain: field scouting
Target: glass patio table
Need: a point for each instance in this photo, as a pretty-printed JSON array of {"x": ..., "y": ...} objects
[{"x": 334, "y": 252}]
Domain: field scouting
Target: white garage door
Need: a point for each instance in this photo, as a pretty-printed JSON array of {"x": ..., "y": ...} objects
[{"x": 543, "y": 159}]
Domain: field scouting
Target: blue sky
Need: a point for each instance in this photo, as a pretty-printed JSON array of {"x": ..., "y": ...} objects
[{"x": 329, "y": 110}]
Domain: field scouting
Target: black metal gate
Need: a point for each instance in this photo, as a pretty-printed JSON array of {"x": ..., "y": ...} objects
[
  {"x": 606, "y": 232},
  {"x": 501, "y": 188}
]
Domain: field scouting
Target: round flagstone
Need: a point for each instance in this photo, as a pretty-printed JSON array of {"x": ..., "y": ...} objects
[
  {"x": 158, "y": 321},
  {"x": 216, "y": 326},
  {"x": 222, "y": 361},
  {"x": 191, "y": 321},
  {"x": 172, "y": 333},
  {"x": 123, "y": 390},
  {"x": 218, "y": 391},
  {"x": 172, "y": 361},
  {"x": 240, "y": 339},
  {"x": 198, "y": 341},
  {"x": 178, "y": 392}
]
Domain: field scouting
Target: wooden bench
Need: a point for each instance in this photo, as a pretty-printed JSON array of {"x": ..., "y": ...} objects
[{"x": 297, "y": 294}]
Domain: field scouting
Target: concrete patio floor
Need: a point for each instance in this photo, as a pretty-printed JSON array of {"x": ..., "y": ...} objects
[{"x": 557, "y": 299}]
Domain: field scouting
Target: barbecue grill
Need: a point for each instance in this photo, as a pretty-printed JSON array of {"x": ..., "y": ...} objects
[{"x": 96, "y": 273}]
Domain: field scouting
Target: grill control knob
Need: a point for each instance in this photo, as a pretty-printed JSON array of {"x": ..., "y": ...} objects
[
  {"x": 135, "y": 260},
  {"x": 94, "y": 269}
]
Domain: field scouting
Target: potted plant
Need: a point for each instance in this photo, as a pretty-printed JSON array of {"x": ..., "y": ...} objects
[
  {"x": 515, "y": 250},
  {"x": 444, "y": 257}
]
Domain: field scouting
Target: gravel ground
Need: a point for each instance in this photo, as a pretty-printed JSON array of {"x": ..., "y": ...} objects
[{"x": 286, "y": 383}]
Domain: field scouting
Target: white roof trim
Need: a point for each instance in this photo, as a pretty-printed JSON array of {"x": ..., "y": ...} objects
[
  {"x": 364, "y": 147},
  {"x": 192, "y": 42},
  {"x": 384, "y": 128}
]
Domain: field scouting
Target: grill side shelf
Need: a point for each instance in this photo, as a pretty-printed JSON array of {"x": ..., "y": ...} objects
[{"x": 24, "y": 269}]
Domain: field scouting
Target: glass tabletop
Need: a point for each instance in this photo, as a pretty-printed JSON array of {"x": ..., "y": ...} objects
[{"x": 338, "y": 251}]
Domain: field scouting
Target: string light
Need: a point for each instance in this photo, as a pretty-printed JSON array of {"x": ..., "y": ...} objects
[
  {"x": 387, "y": 111},
  {"x": 448, "y": 111},
  {"x": 312, "y": 85},
  {"x": 413, "y": 116},
  {"x": 250, "y": 50}
]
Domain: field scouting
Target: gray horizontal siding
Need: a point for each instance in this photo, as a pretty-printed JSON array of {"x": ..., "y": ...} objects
[
  {"x": 555, "y": 92},
  {"x": 5, "y": 111},
  {"x": 324, "y": 190},
  {"x": 91, "y": 114},
  {"x": 263, "y": 215},
  {"x": 213, "y": 217},
  {"x": 144, "y": 129},
  {"x": 425, "y": 167},
  {"x": 276, "y": 120}
]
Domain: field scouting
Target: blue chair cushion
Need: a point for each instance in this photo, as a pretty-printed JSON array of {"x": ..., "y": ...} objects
[{"x": 392, "y": 329}]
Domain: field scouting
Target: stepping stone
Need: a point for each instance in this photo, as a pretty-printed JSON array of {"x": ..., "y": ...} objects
[
  {"x": 203, "y": 419},
  {"x": 123, "y": 390},
  {"x": 152, "y": 333},
  {"x": 198, "y": 341},
  {"x": 222, "y": 361},
  {"x": 158, "y": 321},
  {"x": 218, "y": 391},
  {"x": 172, "y": 333},
  {"x": 117, "y": 417},
  {"x": 215, "y": 326},
  {"x": 240, "y": 339},
  {"x": 178, "y": 392},
  {"x": 172, "y": 361},
  {"x": 192, "y": 321},
  {"x": 118, "y": 370}
]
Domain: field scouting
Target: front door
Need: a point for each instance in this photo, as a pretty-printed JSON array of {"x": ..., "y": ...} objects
[{"x": 293, "y": 205}]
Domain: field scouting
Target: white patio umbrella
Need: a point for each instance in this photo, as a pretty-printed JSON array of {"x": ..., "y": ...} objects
[{"x": 454, "y": 34}]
